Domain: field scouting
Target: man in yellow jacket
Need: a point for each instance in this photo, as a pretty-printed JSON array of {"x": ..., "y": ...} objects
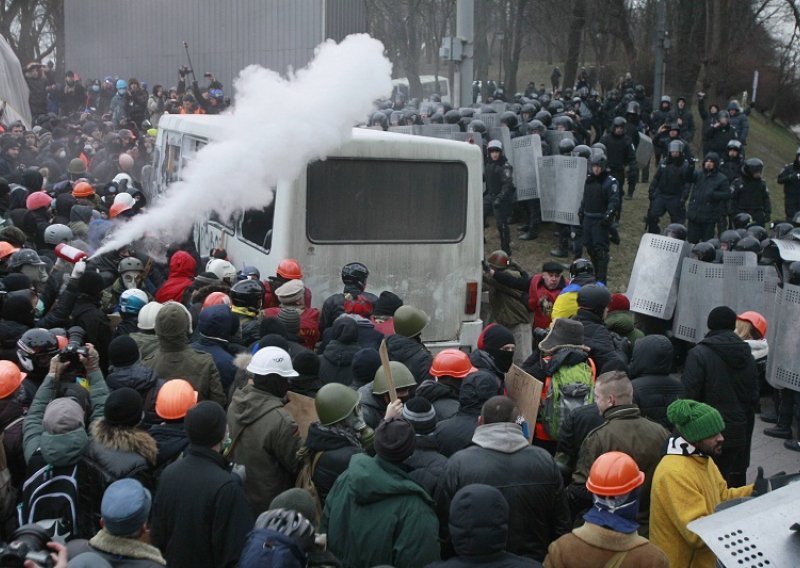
[{"x": 687, "y": 484}]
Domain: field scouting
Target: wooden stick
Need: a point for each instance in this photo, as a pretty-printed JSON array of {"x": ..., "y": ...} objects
[{"x": 387, "y": 371}]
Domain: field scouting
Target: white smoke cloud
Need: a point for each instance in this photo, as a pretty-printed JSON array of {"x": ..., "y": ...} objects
[{"x": 277, "y": 126}]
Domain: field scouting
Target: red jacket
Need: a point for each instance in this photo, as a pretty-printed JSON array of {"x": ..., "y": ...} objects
[
  {"x": 181, "y": 275},
  {"x": 271, "y": 300},
  {"x": 309, "y": 325},
  {"x": 541, "y": 300}
]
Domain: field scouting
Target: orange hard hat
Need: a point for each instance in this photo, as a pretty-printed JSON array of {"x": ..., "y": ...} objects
[
  {"x": 451, "y": 363},
  {"x": 82, "y": 189},
  {"x": 757, "y": 320},
  {"x": 290, "y": 269},
  {"x": 6, "y": 249},
  {"x": 614, "y": 474},
  {"x": 10, "y": 378},
  {"x": 118, "y": 208},
  {"x": 216, "y": 298},
  {"x": 63, "y": 341},
  {"x": 175, "y": 399}
]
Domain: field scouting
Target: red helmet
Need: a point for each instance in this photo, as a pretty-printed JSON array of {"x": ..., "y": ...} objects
[
  {"x": 452, "y": 363},
  {"x": 756, "y": 320},
  {"x": 290, "y": 269},
  {"x": 614, "y": 474},
  {"x": 118, "y": 208},
  {"x": 216, "y": 298}
]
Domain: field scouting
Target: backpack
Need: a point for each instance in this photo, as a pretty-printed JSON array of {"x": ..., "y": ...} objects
[
  {"x": 569, "y": 388},
  {"x": 305, "y": 479},
  {"x": 50, "y": 500},
  {"x": 266, "y": 548}
]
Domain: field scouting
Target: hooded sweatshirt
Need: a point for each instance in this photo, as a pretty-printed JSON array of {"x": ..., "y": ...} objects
[
  {"x": 337, "y": 358},
  {"x": 182, "y": 267},
  {"x": 455, "y": 433},
  {"x": 653, "y": 387}
]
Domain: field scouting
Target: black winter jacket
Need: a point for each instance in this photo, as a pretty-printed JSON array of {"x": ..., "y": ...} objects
[
  {"x": 336, "y": 448},
  {"x": 526, "y": 476},
  {"x": 790, "y": 178},
  {"x": 200, "y": 516},
  {"x": 577, "y": 425},
  {"x": 653, "y": 387},
  {"x": 443, "y": 399},
  {"x": 455, "y": 433},
  {"x": 171, "y": 439},
  {"x": 426, "y": 464},
  {"x": 411, "y": 353},
  {"x": 709, "y": 193},
  {"x": 337, "y": 358},
  {"x": 721, "y": 371},
  {"x": 597, "y": 337},
  {"x": 90, "y": 317}
]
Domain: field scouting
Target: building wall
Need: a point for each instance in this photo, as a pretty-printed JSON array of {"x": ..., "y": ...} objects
[{"x": 143, "y": 38}]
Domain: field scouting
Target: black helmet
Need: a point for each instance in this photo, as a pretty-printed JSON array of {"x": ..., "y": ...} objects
[
  {"x": 704, "y": 252},
  {"x": 633, "y": 108},
  {"x": 714, "y": 242},
  {"x": 742, "y": 220},
  {"x": 247, "y": 294},
  {"x": 749, "y": 244},
  {"x": 545, "y": 117},
  {"x": 594, "y": 297},
  {"x": 379, "y": 119},
  {"x": 794, "y": 273},
  {"x": 452, "y": 117},
  {"x": 556, "y": 107},
  {"x": 23, "y": 257},
  {"x": 618, "y": 121},
  {"x": 35, "y": 348},
  {"x": 582, "y": 150},
  {"x": 757, "y": 231},
  {"x": 466, "y": 111},
  {"x": 729, "y": 238},
  {"x": 598, "y": 159},
  {"x": 528, "y": 109},
  {"x": 509, "y": 119},
  {"x": 581, "y": 266},
  {"x": 752, "y": 166},
  {"x": 290, "y": 524},
  {"x": 676, "y": 231},
  {"x": 734, "y": 145},
  {"x": 796, "y": 219},
  {"x": 355, "y": 273},
  {"x": 780, "y": 230},
  {"x": 600, "y": 145},
  {"x": 742, "y": 232},
  {"x": 477, "y": 126},
  {"x": 437, "y": 118},
  {"x": 536, "y": 126},
  {"x": 563, "y": 122},
  {"x": 247, "y": 272},
  {"x": 566, "y": 146},
  {"x": 675, "y": 146}
]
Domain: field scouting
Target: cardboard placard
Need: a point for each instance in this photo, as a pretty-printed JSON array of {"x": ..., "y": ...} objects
[
  {"x": 387, "y": 370},
  {"x": 526, "y": 392},
  {"x": 302, "y": 410}
]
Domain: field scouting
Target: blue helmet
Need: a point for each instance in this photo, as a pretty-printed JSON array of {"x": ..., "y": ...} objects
[
  {"x": 122, "y": 84},
  {"x": 132, "y": 300},
  {"x": 248, "y": 272}
]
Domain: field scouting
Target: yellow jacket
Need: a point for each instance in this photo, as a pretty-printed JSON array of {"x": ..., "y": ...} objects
[{"x": 686, "y": 488}]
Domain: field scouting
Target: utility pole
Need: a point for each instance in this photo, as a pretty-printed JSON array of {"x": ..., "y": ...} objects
[
  {"x": 465, "y": 32},
  {"x": 662, "y": 43}
]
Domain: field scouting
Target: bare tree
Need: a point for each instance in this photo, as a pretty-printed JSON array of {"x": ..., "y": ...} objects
[{"x": 33, "y": 28}]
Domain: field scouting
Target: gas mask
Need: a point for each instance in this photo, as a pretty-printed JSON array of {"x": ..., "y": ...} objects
[
  {"x": 131, "y": 279},
  {"x": 36, "y": 273},
  {"x": 355, "y": 421}
]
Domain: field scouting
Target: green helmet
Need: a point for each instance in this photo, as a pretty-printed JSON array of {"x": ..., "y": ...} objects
[
  {"x": 401, "y": 376},
  {"x": 334, "y": 403},
  {"x": 410, "y": 321}
]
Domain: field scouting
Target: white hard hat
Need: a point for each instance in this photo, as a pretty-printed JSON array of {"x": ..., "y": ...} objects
[
  {"x": 125, "y": 198},
  {"x": 495, "y": 144},
  {"x": 119, "y": 177},
  {"x": 222, "y": 269},
  {"x": 272, "y": 360},
  {"x": 147, "y": 316}
]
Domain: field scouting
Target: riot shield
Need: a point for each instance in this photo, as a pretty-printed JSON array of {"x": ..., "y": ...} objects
[
  {"x": 789, "y": 250},
  {"x": 644, "y": 151},
  {"x": 498, "y": 106},
  {"x": 148, "y": 179},
  {"x": 701, "y": 289},
  {"x": 753, "y": 290},
  {"x": 436, "y": 130},
  {"x": 756, "y": 532},
  {"x": 553, "y": 137},
  {"x": 783, "y": 369},
  {"x": 490, "y": 119},
  {"x": 471, "y": 137},
  {"x": 402, "y": 129},
  {"x": 427, "y": 108},
  {"x": 653, "y": 285},
  {"x": 526, "y": 150},
  {"x": 739, "y": 258},
  {"x": 561, "y": 182}
]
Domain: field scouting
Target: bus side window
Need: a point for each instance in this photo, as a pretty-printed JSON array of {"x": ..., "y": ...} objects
[
  {"x": 171, "y": 163},
  {"x": 257, "y": 226}
]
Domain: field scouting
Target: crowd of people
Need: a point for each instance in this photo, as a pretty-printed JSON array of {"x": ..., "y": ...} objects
[{"x": 151, "y": 408}]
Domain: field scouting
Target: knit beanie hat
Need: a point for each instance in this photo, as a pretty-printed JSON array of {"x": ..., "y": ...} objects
[
  {"x": 496, "y": 336},
  {"x": 306, "y": 363},
  {"x": 205, "y": 423},
  {"x": 91, "y": 284},
  {"x": 63, "y": 415},
  {"x": 16, "y": 281},
  {"x": 290, "y": 318},
  {"x": 123, "y": 351},
  {"x": 387, "y": 304},
  {"x": 420, "y": 414},
  {"x": 294, "y": 499},
  {"x": 695, "y": 420},
  {"x": 619, "y": 302},
  {"x": 395, "y": 441},
  {"x": 722, "y": 317},
  {"x": 271, "y": 326},
  {"x": 364, "y": 365},
  {"x": 124, "y": 407}
]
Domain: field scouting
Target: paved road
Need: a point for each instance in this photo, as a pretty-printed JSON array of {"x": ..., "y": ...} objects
[{"x": 770, "y": 454}]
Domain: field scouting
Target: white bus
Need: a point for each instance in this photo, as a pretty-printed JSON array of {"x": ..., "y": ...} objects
[{"x": 409, "y": 207}]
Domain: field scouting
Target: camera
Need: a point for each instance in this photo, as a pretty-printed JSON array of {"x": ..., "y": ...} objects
[
  {"x": 29, "y": 542},
  {"x": 76, "y": 346},
  {"x": 183, "y": 70}
]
